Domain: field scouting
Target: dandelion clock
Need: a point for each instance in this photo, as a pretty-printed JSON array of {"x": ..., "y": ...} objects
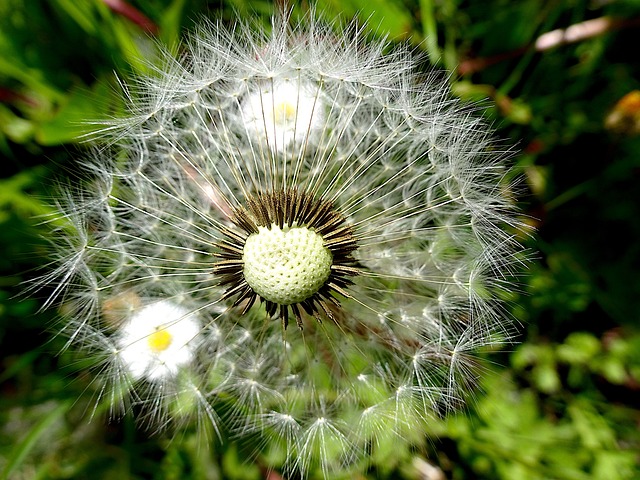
[{"x": 291, "y": 237}]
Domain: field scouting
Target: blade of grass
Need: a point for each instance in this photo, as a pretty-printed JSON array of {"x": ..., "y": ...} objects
[
  {"x": 22, "y": 449},
  {"x": 430, "y": 30}
]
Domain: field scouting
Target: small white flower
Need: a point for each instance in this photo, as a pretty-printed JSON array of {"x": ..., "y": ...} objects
[
  {"x": 283, "y": 112},
  {"x": 158, "y": 340}
]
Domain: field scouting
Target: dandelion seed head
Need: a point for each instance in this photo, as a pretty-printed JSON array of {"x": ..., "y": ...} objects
[{"x": 296, "y": 175}]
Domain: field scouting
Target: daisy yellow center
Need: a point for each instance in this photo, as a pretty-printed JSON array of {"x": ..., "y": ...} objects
[
  {"x": 284, "y": 112},
  {"x": 159, "y": 341},
  {"x": 286, "y": 265}
]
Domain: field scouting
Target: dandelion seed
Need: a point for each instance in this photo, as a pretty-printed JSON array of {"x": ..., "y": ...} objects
[{"x": 298, "y": 175}]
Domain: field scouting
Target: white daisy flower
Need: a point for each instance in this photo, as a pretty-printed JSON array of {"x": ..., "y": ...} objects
[
  {"x": 283, "y": 113},
  {"x": 158, "y": 340}
]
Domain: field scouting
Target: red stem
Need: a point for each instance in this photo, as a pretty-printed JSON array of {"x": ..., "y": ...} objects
[{"x": 123, "y": 8}]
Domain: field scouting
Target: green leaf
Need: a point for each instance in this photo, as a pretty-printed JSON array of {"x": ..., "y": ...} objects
[
  {"x": 170, "y": 23},
  {"x": 579, "y": 348},
  {"x": 430, "y": 30},
  {"x": 15, "y": 128},
  {"x": 14, "y": 197},
  {"x": 81, "y": 14},
  {"x": 74, "y": 119},
  {"x": 384, "y": 17}
]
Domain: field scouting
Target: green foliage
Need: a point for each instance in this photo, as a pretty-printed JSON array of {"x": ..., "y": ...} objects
[
  {"x": 550, "y": 416},
  {"x": 520, "y": 433},
  {"x": 564, "y": 403}
]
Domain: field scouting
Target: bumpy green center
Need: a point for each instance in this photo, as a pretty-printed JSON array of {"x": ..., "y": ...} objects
[{"x": 286, "y": 265}]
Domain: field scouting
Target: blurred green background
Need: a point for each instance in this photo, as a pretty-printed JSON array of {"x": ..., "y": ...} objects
[{"x": 564, "y": 403}]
